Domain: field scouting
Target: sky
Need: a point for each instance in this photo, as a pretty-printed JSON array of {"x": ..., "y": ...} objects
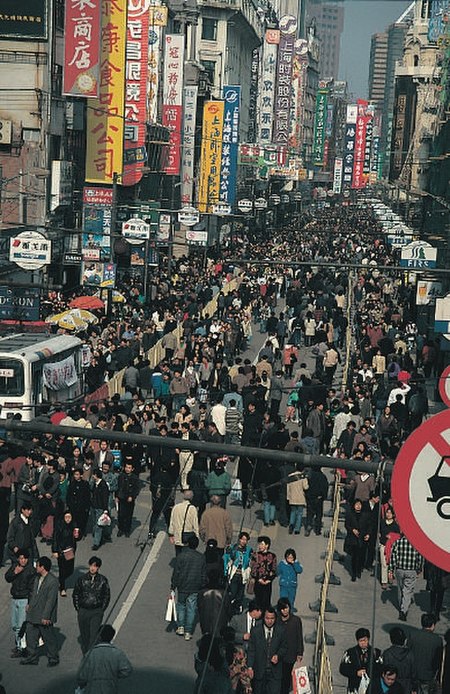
[{"x": 362, "y": 18}]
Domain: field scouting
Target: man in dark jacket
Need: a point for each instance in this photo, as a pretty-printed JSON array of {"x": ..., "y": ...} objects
[
  {"x": 295, "y": 646},
  {"x": 20, "y": 534},
  {"x": 387, "y": 682},
  {"x": 244, "y": 622},
  {"x": 400, "y": 657},
  {"x": 214, "y": 605},
  {"x": 21, "y": 577},
  {"x": 126, "y": 493},
  {"x": 188, "y": 578},
  {"x": 426, "y": 647},
  {"x": 360, "y": 660},
  {"x": 91, "y": 596},
  {"x": 78, "y": 500},
  {"x": 315, "y": 496},
  {"x": 42, "y": 614},
  {"x": 267, "y": 648},
  {"x": 99, "y": 504}
]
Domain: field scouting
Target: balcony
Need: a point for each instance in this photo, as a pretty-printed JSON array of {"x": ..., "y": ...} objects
[{"x": 426, "y": 72}]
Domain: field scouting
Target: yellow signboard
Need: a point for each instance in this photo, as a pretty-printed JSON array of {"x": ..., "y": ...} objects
[
  {"x": 211, "y": 155},
  {"x": 105, "y": 115},
  {"x": 158, "y": 15}
]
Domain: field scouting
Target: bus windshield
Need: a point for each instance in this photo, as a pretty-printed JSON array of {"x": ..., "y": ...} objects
[{"x": 12, "y": 380}]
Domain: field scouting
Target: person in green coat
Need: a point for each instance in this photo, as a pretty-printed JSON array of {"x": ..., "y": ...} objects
[
  {"x": 218, "y": 482},
  {"x": 103, "y": 665}
]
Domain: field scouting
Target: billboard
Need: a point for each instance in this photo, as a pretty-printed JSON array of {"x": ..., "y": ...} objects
[
  {"x": 228, "y": 168},
  {"x": 267, "y": 92},
  {"x": 19, "y": 304},
  {"x": 211, "y": 155},
  {"x": 172, "y": 113},
  {"x": 337, "y": 175},
  {"x": 253, "y": 98},
  {"x": 283, "y": 90},
  {"x": 360, "y": 144},
  {"x": 97, "y": 203},
  {"x": 187, "y": 157},
  {"x": 28, "y": 22},
  {"x": 349, "y": 145},
  {"x": 320, "y": 126},
  {"x": 154, "y": 59},
  {"x": 136, "y": 73},
  {"x": 105, "y": 115},
  {"x": 81, "y": 70},
  {"x": 98, "y": 274}
]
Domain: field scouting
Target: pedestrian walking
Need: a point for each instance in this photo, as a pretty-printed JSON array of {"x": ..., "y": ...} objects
[
  {"x": 236, "y": 562},
  {"x": 20, "y": 534},
  {"x": 216, "y": 524},
  {"x": 400, "y": 656},
  {"x": 267, "y": 648},
  {"x": 243, "y": 623},
  {"x": 387, "y": 682},
  {"x": 263, "y": 571},
  {"x": 42, "y": 615},
  {"x": 289, "y": 570},
  {"x": 359, "y": 660},
  {"x": 315, "y": 496},
  {"x": 99, "y": 505},
  {"x": 427, "y": 648},
  {"x": 21, "y": 576},
  {"x": 296, "y": 487},
  {"x": 104, "y": 665},
  {"x": 64, "y": 545},
  {"x": 188, "y": 578},
  {"x": 183, "y": 521},
  {"x": 295, "y": 646},
  {"x": 78, "y": 500},
  {"x": 405, "y": 564},
  {"x": 91, "y": 596},
  {"x": 358, "y": 526},
  {"x": 127, "y": 491}
]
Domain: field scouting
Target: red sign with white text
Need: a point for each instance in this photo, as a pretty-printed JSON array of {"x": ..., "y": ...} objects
[
  {"x": 82, "y": 48},
  {"x": 136, "y": 71},
  {"x": 360, "y": 144}
]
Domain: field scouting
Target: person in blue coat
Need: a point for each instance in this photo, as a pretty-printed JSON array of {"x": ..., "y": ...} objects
[{"x": 288, "y": 572}]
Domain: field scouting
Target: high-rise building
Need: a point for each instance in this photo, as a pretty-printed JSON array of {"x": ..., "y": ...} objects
[
  {"x": 377, "y": 69},
  {"x": 329, "y": 19}
]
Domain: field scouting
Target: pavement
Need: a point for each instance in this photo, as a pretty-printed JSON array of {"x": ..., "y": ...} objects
[{"x": 139, "y": 576}]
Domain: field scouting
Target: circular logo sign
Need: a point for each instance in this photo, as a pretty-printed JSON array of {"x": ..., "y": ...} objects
[
  {"x": 189, "y": 216},
  {"x": 444, "y": 386},
  {"x": 274, "y": 199},
  {"x": 30, "y": 250},
  {"x": 231, "y": 96},
  {"x": 421, "y": 489},
  {"x": 288, "y": 24},
  {"x": 260, "y": 203}
]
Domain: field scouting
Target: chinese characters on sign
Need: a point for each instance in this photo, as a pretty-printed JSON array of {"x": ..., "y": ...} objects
[
  {"x": 360, "y": 144},
  {"x": 267, "y": 92},
  {"x": 337, "y": 176},
  {"x": 187, "y": 160},
  {"x": 283, "y": 92},
  {"x": 23, "y": 19},
  {"x": 105, "y": 117},
  {"x": 82, "y": 48},
  {"x": 61, "y": 374},
  {"x": 319, "y": 126},
  {"x": 154, "y": 58},
  {"x": 96, "y": 222},
  {"x": 173, "y": 98},
  {"x": 252, "y": 107},
  {"x": 136, "y": 70},
  {"x": 211, "y": 155},
  {"x": 349, "y": 145},
  {"x": 228, "y": 169}
]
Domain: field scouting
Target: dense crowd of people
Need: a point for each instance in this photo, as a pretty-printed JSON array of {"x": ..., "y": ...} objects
[{"x": 206, "y": 389}]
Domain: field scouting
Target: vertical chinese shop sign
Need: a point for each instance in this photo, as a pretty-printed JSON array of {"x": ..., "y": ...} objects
[
  {"x": 211, "y": 155},
  {"x": 172, "y": 114},
  {"x": 105, "y": 117},
  {"x": 136, "y": 73},
  {"x": 82, "y": 48}
]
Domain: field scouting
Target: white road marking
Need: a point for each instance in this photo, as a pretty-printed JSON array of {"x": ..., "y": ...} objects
[{"x": 134, "y": 592}]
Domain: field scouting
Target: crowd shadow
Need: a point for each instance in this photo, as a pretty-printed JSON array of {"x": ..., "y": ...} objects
[{"x": 142, "y": 681}]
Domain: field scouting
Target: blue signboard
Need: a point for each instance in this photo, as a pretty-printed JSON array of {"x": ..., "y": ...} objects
[
  {"x": 17, "y": 303},
  {"x": 230, "y": 146}
]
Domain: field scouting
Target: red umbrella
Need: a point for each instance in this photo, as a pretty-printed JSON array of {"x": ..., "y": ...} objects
[{"x": 87, "y": 302}]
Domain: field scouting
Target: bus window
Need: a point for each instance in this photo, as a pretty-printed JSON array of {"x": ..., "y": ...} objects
[{"x": 12, "y": 380}]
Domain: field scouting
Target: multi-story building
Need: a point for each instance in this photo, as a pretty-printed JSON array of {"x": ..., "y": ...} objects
[
  {"x": 377, "y": 69},
  {"x": 329, "y": 18}
]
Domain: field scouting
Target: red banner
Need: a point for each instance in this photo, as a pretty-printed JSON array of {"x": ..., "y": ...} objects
[
  {"x": 135, "y": 92},
  {"x": 360, "y": 144},
  {"x": 82, "y": 48}
]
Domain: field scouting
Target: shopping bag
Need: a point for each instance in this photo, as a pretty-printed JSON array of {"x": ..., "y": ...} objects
[
  {"x": 171, "y": 609},
  {"x": 300, "y": 680},
  {"x": 364, "y": 684},
  {"x": 104, "y": 520}
]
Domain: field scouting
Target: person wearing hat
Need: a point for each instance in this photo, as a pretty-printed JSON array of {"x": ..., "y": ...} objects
[{"x": 360, "y": 660}]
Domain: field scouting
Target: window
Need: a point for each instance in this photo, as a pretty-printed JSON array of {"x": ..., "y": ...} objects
[
  {"x": 210, "y": 69},
  {"x": 209, "y": 29}
]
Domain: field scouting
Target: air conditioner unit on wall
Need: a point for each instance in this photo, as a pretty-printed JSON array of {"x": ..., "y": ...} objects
[{"x": 5, "y": 132}]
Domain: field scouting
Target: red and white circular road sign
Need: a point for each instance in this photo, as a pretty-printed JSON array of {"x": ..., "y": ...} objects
[
  {"x": 421, "y": 489},
  {"x": 444, "y": 386}
]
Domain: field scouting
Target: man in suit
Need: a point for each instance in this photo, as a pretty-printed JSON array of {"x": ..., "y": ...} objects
[
  {"x": 41, "y": 615},
  {"x": 266, "y": 649},
  {"x": 244, "y": 622}
]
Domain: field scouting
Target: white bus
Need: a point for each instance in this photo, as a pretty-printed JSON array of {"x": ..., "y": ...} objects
[{"x": 36, "y": 368}]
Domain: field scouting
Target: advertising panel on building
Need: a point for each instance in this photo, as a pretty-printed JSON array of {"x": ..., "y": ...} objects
[
  {"x": 81, "y": 71},
  {"x": 267, "y": 91},
  {"x": 211, "y": 155},
  {"x": 360, "y": 144},
  {"x": 23, "y": 19},
  {"x": 101, "y": 275},
  {"x": 154, "y": 60},
  {"x": 319, "y": 126},
  {"x": 187, "y": 156},
  {"x": 283, "y": 89},
  {"x": 105, "y": 115},
  {"x": 136, "y": 74},
  {"x": 349, "y": 145},
  {"x": 97, "y": 203},
  {"x": 253, "y": 98},
  {"x": 172, "y": 114},
  {"x": 228, "y": 168}
]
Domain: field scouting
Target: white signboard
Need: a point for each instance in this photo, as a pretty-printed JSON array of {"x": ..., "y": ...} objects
[
  {"x": 30, "y": 250},
  {"x": 260, "y": 204},
  {"x": 136, "y": 231},
  {"x": 245, "y": 205},
  {"x": 61, "y": 374},
  {"x": 428, "y": 292},
  {"x": 188, "y": 216},
  {"x": 398, "y": 241},
  {"x": 337, "y": 175},
  {"x": 418, "y": 254},
  {"x": 442, "y": 315},
  {"x": 222, "y": 209},
  {"x": 200, "y": 237}
]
